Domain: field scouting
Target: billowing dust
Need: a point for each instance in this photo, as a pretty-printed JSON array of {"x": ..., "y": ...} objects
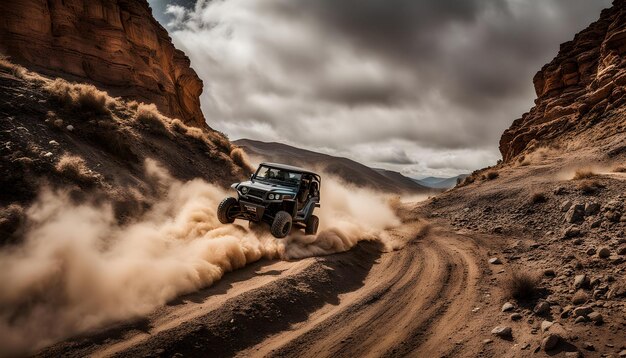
[{"x": 78, "y": 269}]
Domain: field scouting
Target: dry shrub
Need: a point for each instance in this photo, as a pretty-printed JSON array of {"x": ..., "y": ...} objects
[
  {"x": 74, "y": 168},
  {"x": 133, "y": 105},
  {"x": 538, "y": 197},
  {"x": 11, "y": 219},
  {"x": 522, "y": 284},
  {"x": 115, "y": 141},
  {"x": 83, "y": 98},
  {"x": 19, "y": 71},
  {"x": 589, "y": 187},
  {"x": 492, "y": 175},
  {"x": 619, "y": 169},
  {"x": 469, "y": 180},
  {"x": 178, "y": 126},
  {"x": 149, "y": 115},
  {"x": 220, "y": 141},
  {"x": 240, "y": 158},
  {"x": 583, "y": 174}
]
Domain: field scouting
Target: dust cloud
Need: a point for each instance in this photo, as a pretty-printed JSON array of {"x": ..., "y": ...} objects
[{"x": 78, "y": 269}]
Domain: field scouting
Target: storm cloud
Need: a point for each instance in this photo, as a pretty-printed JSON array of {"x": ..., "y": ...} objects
[{"x": 425, "y": 87}]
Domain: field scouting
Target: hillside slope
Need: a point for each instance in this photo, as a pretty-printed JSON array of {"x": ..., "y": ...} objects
[
  {"x": 348, "y": 170},
  {"x": 116, "y": 45},
  {"x": 62, "y": 135},
  {"x": 560, "y": 195}
]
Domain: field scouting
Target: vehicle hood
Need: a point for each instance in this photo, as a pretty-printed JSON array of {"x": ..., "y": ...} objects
[{"x": 274, "y": 188}]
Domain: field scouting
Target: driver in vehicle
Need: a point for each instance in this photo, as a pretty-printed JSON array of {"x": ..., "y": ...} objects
[{"x": 303, "y": 193}]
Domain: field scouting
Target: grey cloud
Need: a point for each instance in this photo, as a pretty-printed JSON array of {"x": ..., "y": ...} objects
[{"x": 447, "y": 75}]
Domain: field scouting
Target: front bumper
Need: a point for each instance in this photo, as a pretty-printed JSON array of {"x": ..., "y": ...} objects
[{"x": 251, "y": 211}]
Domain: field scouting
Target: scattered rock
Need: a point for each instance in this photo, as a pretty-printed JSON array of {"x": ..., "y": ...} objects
[
  {"x": 58, "y": 123},
  {"x": 595, "y": 317},
  {"x": 549, "y": 273},
  {"x": 53, "y": 142},
  {"x": 575, "y": 214},
  {"x": 498, "y": 230},
  {"x": 622, "y": 353},
  {"x": 516, "y": 317},
  {"x": 575, "y": 354},
  {"x": 549, "y": 342},
  {"x": 581, "y": 281},
  {"x": 566, "y": 205},
  {"x": 545, "y": 325},
  {"x": 582, "y": 311},
  {"x": 580, "y": 319},
  {"x": 542, "y": 308},
  {"x": 487, "y": 341},
  {"x": 495, "y": 261},
  {"x": 604, "y": 252},
  {"x": 70, "y": 127},
  {"x": 589, "y": 346},
  {"x": 502, "y": 331},
  {"x": 591, "y": 251},
  {"x": 621, "y": 250},
  {"x": 572, "y": 231},
  {"x": 507, "y": 307},
  {"x": 580, "y": 297},
  {"x": 592, "y": 208}
]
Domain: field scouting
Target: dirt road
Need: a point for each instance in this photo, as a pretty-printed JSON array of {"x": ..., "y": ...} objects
[{"x": 426, "y": 299}]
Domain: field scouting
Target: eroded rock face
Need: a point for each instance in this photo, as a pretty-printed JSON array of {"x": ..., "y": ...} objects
[
  {"x": 115, "y": 44},
  {"x": 585, "y": 82}
]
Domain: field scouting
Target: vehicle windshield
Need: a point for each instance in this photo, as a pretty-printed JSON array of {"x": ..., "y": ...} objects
[{"x": 278, "y": 175}]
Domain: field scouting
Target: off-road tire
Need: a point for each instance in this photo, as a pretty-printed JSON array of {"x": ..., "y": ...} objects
[
  {"x": 311, "y": 225},
  {"x": 224, "y": 208},
  {"x": 281, "y": 226}
]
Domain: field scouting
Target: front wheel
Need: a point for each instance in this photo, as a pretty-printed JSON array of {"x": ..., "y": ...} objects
[
  {"x": 226, "y": 210},
  {"x": 311, "y": 225},
  {"x": 281, "y": 226}
]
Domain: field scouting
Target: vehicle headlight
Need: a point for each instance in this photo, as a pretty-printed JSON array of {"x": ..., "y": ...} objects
[
  {"x": 271, "y": 196},
  {"x": 244, "y": 190},
  {"x": 277, "y": 196}
]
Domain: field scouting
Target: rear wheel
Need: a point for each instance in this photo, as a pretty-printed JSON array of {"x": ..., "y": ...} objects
[
  {"x": 227, "y": 209},
  {"x": 311, "y": 225},
  {"x": 281, "y": 226}
]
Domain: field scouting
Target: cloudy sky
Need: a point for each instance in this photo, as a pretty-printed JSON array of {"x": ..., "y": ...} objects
[{"x": 423, "y": 87}]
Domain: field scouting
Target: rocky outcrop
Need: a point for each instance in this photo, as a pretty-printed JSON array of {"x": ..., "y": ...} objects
[
  {"x": 115, "y": 44},
  {"x": 581, "y": 87}
]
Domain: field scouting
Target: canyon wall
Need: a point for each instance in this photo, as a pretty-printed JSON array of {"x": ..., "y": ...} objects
[
  {"x": 579, "y": 88},
  {"x": 116, "y": 45}
]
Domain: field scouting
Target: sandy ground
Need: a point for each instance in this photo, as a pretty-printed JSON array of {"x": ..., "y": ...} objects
[
  {"x": 430, "y": 298},
  {"x": 436, "y": 297}
]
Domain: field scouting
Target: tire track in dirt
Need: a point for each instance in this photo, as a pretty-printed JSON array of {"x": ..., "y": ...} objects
[
  {"x": 423, "y": 294},
  {"x": 416, "y": 301}
]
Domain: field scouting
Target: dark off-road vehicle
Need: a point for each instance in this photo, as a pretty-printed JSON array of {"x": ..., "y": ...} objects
[{"x": 279, "y": 195}]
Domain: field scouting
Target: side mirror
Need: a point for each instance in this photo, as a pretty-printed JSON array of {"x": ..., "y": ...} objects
[{"x": 251, "y": 177}]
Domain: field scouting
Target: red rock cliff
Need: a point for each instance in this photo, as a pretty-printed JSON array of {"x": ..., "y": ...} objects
[
  {"x": 115, "y": 44},
  {"x": 580, "y": 88}
]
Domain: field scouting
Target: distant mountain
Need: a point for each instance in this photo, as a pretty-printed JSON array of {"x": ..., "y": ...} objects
[
  {"x": 440, "y": 183},
  {"x": 349, "y": 170}
]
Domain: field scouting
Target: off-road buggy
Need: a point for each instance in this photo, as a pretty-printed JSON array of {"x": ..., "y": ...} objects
[{"x": 279, "y": 195}]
